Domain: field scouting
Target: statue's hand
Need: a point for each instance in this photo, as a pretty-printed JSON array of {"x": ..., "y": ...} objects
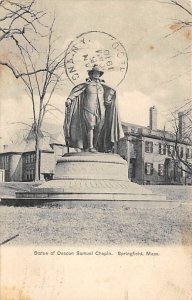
[
  {"x": 68, "y": 102},
  {"x": 109, "y": 98},
  {"x": 108, "y": 102}
]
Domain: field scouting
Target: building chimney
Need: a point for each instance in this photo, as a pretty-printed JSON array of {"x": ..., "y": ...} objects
[
  {"x": 181, "y": 124},
  {"x": 153, "y": 118}
]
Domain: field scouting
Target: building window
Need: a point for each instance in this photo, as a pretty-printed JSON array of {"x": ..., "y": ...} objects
[
  {"x": 30, "y": 158},
  {"x": 177, "y": 150},
  {"x": 132, "y": 130},
  {"x": 27, "y": 158},
  {"x": 189, "y": 175},
  {"x": 176, "y": 172},
  {"x": 162, "y": 148},
  {"x": 148, "y": 147},
  {"x": 4, "y": 162},
  {"x": 148, "y": 168},
  {"x": 170, "y": 150},
  {"x": 1, "y": 162},
  {"x": 161, "y": 170},
  {"x": 187, "y": 153},
  {"x": 181, "y": 152},
  {"x": 132, "y": 168},
  {"x": 30, "y": 175},
  {"x": 133, "y": 148}
]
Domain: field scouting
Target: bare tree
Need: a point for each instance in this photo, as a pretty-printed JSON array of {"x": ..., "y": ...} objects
[
  {"x": 181, "y": 121},
  {"x": 36, "y": 61},
  {"x": 41, "y": 82},
  {"x": 40, "y": 71},
  {"x": 181, "y": 117}
]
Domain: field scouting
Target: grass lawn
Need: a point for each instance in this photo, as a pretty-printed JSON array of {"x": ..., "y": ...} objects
[{"x": 99, "y": 225}]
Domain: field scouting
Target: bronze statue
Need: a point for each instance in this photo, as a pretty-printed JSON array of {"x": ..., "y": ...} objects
[{"x": 92, "y": 121}]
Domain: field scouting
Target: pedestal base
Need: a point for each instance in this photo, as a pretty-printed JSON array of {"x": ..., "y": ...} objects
[{"x": 89, "y": 177}]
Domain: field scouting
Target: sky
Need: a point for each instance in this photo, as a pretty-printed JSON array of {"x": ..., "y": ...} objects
[{"x": 156, "y": 74}]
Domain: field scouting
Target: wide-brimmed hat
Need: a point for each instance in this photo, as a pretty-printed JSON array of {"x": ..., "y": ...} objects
[{"x": 95, "y": 68}]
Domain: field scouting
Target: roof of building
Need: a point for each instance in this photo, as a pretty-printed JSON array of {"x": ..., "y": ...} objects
[
  {"x": 125, "y": 124},
  {"x": 134, "y": 129},
  {"x": 28, "y": 146},
  {"x": 28, "y": 143}
]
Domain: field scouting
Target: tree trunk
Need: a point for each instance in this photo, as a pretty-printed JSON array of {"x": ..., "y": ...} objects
[{"x": 37, "y": 160}]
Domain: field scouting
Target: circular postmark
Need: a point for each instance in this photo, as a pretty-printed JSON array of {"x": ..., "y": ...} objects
[{"x": 100, "y": 48}]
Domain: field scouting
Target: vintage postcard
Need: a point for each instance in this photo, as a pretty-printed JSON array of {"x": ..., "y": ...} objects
[{"x": 96, "y": 149}]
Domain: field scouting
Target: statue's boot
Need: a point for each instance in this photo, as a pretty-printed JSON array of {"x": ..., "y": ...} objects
[{"x": 92, "y": 150}]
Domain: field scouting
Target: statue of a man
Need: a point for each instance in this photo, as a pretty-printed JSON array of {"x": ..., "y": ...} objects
[{"x": 92, "y": 121}]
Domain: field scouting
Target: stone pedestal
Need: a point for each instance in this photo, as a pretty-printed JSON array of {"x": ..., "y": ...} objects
[{"x": 90, "y": 176}]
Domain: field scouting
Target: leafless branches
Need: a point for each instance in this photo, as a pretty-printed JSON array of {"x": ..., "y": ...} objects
[
  {"x": 38, "y": 65},
  {"x": 180, "y": 5},
  {"x": 181, "y": 117},
  {"x": 18, "y": 20},
  {"x": 181, "y": 25},
  {"x": 181, "y": 120},
  {"x": 42, "y": 74},
  {"x": 20, "y": 24}
]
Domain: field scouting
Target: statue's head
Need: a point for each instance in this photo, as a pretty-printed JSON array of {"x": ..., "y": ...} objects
[{"x": 95, "y": 72}]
